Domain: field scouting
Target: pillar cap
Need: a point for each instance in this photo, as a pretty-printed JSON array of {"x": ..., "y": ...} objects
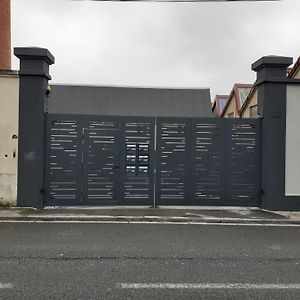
[
  {"x": 34, "y": 53},
  {"x": 272, "y": 61}
]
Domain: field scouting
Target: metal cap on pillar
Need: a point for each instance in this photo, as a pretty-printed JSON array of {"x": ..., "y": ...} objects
[
  {"x": 34, "y": 76},
  {"x": 34, "y": 61},
  {"x": 270, "y": 68}
]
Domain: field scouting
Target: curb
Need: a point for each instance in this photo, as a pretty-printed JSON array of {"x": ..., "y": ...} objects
[{"x": 149, "y": 219}]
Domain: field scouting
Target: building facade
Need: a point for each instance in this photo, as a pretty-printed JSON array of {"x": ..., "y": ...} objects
[
  {"x": 295, "y": 71},
  {"x": 9, "y": 101},
  {"x": 249, "y": 108},
  {"x": 237, "y": 97},
  {"x": 219, "y": 104}
]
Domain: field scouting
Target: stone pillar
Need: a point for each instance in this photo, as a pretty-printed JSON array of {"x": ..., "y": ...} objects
[
  {"x": 5, "y": 35},
  {"x": 272, "y": 98},
  {"x": 34, "y": 76}
]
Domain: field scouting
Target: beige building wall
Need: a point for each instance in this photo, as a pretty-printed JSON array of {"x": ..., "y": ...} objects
[
  {"x": 215, "y": 113},
  {"x": 252, "y": 102},
  {"x": 297, "y": 75},
  {"x": 231, "y": 109},
  {"x": 9, "y": 103}
]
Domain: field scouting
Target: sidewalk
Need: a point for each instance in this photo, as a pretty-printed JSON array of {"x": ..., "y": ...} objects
[{"x": 226, "y": 215}]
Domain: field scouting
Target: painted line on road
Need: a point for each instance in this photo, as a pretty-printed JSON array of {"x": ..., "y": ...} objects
[
  {"x": 5, "y": 286},
  {"x": 209, "y": 286},
  {"x": 149, "y": 223}
]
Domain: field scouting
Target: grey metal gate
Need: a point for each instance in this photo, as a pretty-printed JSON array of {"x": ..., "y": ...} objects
[
  {"x": 102, "y": 160},
  {"x": 100, "y": 163},
  {"x": 99, "y": 160},
  {"x": 208, "y": 161}
]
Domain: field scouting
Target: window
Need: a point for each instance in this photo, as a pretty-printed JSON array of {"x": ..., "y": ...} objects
[{"x": 253, "y": 111}]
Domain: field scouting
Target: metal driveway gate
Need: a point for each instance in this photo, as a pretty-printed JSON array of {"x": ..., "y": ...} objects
[
  {"x": 94, "y": 160},
  {"x": 208, "y": 161},
  {"x": 101, "y": 160}
]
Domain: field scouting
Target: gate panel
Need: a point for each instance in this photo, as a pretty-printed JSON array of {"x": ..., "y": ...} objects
[
  {"x": 101, "y": 165},
  {"x": 63, "y": 161},
  {"x": 244, "y": 163},
  {"x": 208, "y": 161},
  {"x": 138, "y": 161},
  {"x": 99, "y": 160},
  {"x": 172, "y": 161},
  {"x": 208, "y": 153}
]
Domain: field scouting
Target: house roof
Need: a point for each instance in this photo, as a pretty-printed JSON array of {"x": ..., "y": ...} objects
[
  {"x": 295, "y": 69},
  {"x": 220, "y": 103},
  {"x": 235, "y": 92}
]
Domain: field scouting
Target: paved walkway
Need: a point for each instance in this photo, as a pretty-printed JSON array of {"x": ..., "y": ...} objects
[{"x": 147, "y": 214}]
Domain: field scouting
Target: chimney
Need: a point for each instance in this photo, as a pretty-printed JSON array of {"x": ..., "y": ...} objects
[{"x": 5, "y": 35}]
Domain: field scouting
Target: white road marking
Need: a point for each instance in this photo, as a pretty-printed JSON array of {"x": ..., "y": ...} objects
[
  {"x": 5, "y": 286},
  {"x": 150, "y": 223},
  {"x": 208, "y": 286}
]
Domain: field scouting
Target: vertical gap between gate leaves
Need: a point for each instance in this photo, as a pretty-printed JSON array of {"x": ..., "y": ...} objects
[
  {"x": 154, "y": 162},
  {"x": 82, "y": 162}
]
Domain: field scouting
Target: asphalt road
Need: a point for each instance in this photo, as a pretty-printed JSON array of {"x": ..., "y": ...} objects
[{"x": 148, "y": 261}]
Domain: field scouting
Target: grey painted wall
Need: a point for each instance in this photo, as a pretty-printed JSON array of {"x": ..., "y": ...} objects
[{"x": 126, "y": 101}]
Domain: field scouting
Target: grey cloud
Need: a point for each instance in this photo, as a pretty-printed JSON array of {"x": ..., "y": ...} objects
[{"x": 157, "y": 44}]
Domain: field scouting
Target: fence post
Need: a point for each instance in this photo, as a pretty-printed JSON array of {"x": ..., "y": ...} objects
[
  {"x": 34, "y": 76},
  {"x": 272, "y": 84}
]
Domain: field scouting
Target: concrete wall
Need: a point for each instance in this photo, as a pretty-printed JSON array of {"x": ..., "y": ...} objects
[
  {"x": 292, "y": 167},
  {"x": 9, "y": 95},
  {"x": 252, "y": 102}
]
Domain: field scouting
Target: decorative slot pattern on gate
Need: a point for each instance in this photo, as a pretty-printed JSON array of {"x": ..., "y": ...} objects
[
  {"x": 107, "y": 160},
  {"x": 100, "y": 163},
  {"x": 208, "y": 162},
  {"x": 137, "y": 182},
  {"x": 243, "y": 163},
  {"x": 63, "y": 160},
  {"x": 172, "y": 162}
]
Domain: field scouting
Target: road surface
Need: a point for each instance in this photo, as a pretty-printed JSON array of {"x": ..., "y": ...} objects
[{"x": 148, "y": 261}]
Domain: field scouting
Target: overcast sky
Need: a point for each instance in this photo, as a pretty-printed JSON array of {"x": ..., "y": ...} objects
[{"x": 157, "y": 44}]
